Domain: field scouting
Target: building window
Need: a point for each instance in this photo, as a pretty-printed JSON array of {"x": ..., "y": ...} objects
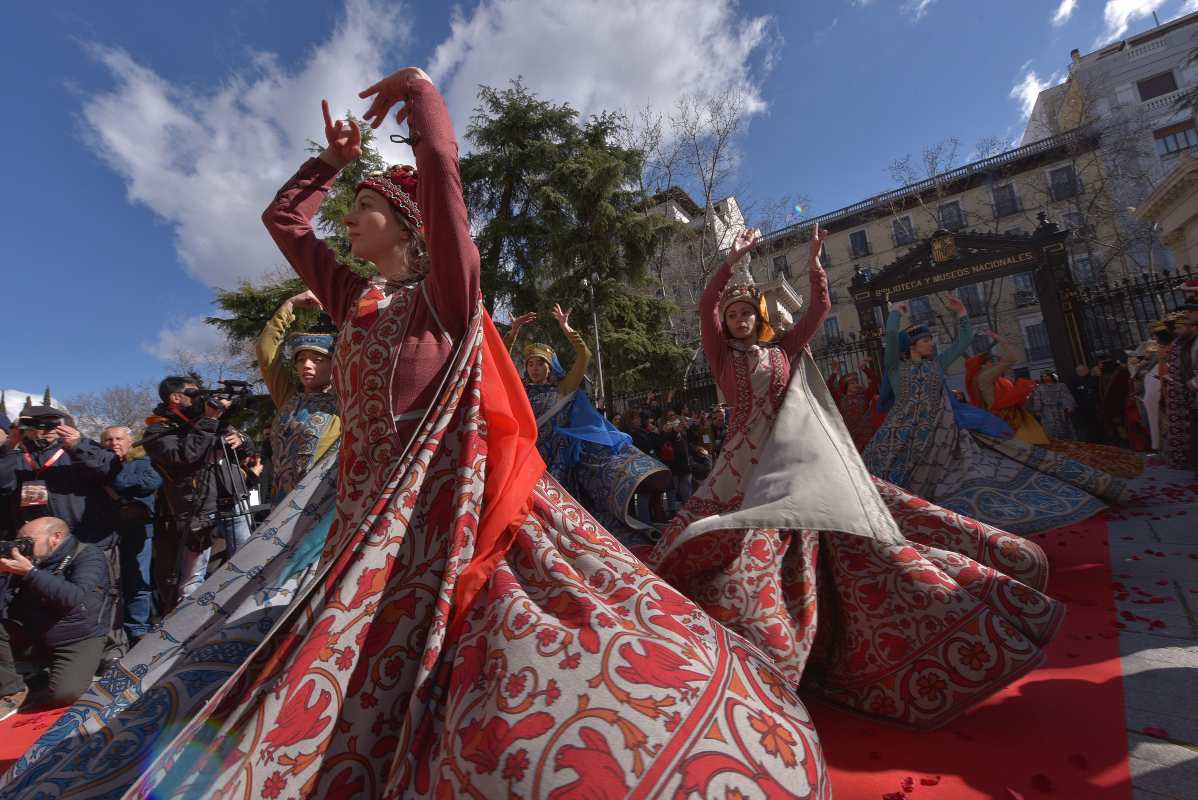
[
  {"x": 921, "y": 310},
  {"x": 1175, "y": 138},
  {"x": 1005, "y": 201},
  {"x": 1083, "y": 270},
  {"x": 1025, "y": 290},
  {"x": 781, "y": 267},
  {"x": 832, "y": 329},
  {"x": 904, "y": 231},
  {"x": 951, "y": 217},
  {"x": 1156, "y": 86},
  {"x": 972, "y": 298},
  {"x": 858, "y": 244},
  {"x": 1062, "y": 182},
  {"x": 825, "y": 255},
  {"x": 1035, "y": 339}
]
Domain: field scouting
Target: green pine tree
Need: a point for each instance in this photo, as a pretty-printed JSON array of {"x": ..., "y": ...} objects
[{"x": 556, "y": 207}]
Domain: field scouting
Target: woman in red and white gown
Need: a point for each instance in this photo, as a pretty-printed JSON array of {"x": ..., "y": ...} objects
[
  {"x": 470, "y": 631},
  {"x": 874, "y": 598}
]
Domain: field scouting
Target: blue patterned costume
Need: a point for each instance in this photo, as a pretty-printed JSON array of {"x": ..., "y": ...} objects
[
  {"x": 597, "y": 463},
  {"x": 957, "y": 457}
]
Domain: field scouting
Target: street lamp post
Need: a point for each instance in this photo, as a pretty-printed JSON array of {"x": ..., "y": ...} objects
[{"x": 590, "y": 284}]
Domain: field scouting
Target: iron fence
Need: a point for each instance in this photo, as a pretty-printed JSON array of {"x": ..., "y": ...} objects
[{"x": 1116, "y": 317}]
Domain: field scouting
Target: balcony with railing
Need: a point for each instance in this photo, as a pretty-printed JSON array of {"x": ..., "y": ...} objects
[
  {"x": 1163, "y": 104},
  {"x": 1025, "y": 298}
]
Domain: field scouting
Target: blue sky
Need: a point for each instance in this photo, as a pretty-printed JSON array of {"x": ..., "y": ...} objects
[{"x": 145, "y": 137}]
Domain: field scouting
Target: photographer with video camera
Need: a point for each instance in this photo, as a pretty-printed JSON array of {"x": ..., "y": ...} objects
[
  {"x": 54, "y": 592},
  {"x": 204, "y": 492}
]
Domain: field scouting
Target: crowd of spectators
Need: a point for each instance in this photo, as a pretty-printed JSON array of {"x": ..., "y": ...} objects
[{"x": 97, "y": 539}]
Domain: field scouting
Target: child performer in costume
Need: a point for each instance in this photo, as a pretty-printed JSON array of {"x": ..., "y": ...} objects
[
  {"x": 465, "y": 611},
  {"x": 965, "y": 459},
  {"x": 306, "y": 421},
  {"x": 596, "y": 462},
  {"x": 788, "y": 492}
]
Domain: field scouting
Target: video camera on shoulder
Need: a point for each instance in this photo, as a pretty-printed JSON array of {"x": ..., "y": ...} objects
[{"x": 237, "y": 393}]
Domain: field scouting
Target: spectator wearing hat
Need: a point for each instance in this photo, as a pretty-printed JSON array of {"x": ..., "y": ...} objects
[
  {"x": 308, "y": 420},
  {"x": 54, "y": 471}
]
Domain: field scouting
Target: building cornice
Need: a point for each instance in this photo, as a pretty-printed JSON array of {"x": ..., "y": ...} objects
[{"x": 1180, "y": 184}]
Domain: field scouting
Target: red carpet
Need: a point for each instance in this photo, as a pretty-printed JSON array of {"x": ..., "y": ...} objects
[
  {"x": 1059, "y": 732},
  {"x": 20, "y": 731}
]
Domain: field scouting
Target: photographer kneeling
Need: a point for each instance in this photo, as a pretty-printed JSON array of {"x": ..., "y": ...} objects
[{"x": 54, "y": 593}]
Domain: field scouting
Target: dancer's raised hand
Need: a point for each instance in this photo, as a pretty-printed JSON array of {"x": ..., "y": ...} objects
[
  {"x": 389, "y": 91},
  {"x": 305, "y": 299},
  {"x": 562, "y": 317},
  {"x": 343, "y": 137},
  {"x": 818, "y": 235},
  {"x": 954, "y": 304},
  {"x": 527, "y": 318},
  {"x": 745, "y": 241}
]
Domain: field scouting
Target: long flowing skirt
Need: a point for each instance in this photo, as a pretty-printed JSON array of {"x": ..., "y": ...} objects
[
  {"x": 1010, "y": 484},
  {"x": 914, "y": 633},
  {"x": 574, "y": 670}
]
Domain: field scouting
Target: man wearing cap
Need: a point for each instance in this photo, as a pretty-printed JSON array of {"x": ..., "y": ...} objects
[
  {"x": 54, "y": 471},
  {"x": 307, "y": 422}
]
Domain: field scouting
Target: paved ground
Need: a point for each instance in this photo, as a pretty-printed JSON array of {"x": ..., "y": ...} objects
[{"x": 1154, "y": 558}]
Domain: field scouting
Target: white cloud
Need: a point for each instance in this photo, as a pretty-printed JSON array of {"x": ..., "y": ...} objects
[
  {"x": 918, "y": 9},
  {"x": 189, "y": 339},
  {"x": 1028, "y": 88},
  {"x": 1118, "y": 15},
  {"x": 1064, "y": 12},
  {"x": 1189, "y": 7},
  {"x": 602, "y": 55},
  {"x": 207, "y": 161}
]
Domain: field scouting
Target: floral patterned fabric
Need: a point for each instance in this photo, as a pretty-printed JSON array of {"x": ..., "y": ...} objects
[
  {"x": 1175, "y": 441},
  {"x": 574, "y": 670},
  {"x": 576, "y": 667},
  {"x": 911, "y": 631}
]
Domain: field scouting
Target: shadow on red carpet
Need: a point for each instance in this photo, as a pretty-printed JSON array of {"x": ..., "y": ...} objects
[{"x": 1058, "y": 732}]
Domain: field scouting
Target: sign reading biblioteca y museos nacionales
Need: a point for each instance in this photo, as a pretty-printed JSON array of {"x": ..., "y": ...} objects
[{"x": 940, "y": 266}]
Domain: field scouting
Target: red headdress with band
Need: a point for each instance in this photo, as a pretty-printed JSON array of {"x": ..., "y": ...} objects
[{"x": 398, "y": 184}]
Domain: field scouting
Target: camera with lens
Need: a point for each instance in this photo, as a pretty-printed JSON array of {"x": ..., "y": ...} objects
[
  {"x": 40, "y": 423},
  {"x": 235, "y": 392},
  {"x": 22, "y": 546}
]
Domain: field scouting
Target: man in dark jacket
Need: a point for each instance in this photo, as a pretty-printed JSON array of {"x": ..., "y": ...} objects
[
  {"x": 203, "y": 491},
  {"x": 673, "y": 450},
  {"x": 55, "y": 603},
  {"x": 55, "y": 471},
  {"x": 131, "y": 509},
  {"x": 1085, "y": 412}
]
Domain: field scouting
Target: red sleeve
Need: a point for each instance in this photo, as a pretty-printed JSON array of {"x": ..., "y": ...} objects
[
  {"x": 453, "y": 281},
  {"x": 710, "y": 324},
  {"x": 289, "y": 220},
  {"x": 798, "y": 336}
]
